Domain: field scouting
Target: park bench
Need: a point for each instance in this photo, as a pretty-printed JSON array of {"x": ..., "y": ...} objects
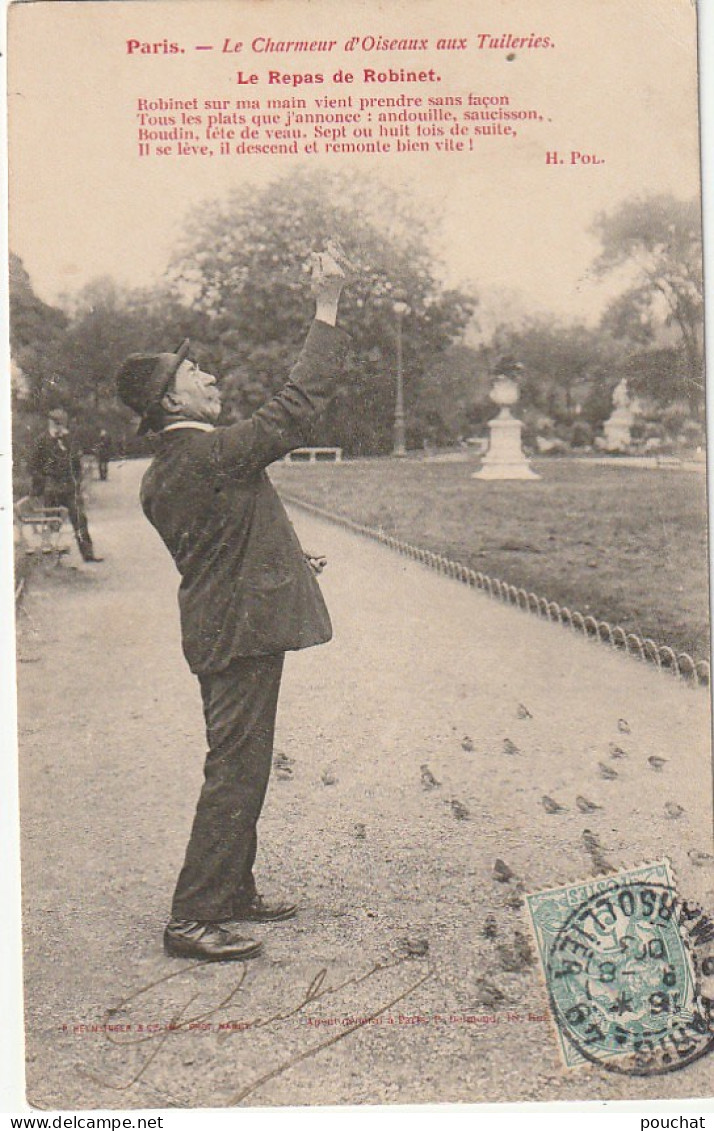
[
  {"x": 314, "y": 455},
  {"x": 41, "y": 528}
]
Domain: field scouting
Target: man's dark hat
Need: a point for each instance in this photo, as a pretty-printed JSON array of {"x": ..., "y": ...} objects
[{"x": 144, "y": 378}]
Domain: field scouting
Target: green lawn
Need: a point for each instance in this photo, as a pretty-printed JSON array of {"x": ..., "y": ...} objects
[{"x": 627, "y": 545}]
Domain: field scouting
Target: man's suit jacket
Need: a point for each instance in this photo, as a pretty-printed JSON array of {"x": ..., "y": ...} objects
[
  {"x": 55, "y": 465},
  {"x": 246, "y": 589}
]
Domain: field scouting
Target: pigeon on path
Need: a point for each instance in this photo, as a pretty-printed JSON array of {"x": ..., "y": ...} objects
[
  {"x": 656, "y": 762},
  {"x": 510, "y": 747},
  {"x": 523, "y": 712},
  {"x": 623, "y": 726},
  {"x": 467, "y": 744}
]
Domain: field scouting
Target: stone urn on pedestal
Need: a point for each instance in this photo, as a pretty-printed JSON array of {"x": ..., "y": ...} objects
[
  {"x": 618, "y": 428},
  {"x": 505, "y": 458}
]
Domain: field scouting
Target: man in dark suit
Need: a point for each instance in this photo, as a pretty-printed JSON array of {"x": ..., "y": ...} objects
[
  {"x": 56, "y": 473},
  {"x": 247, "y": 595}
]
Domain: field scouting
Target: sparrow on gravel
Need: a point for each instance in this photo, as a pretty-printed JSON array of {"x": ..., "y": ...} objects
[
  {"x": 510, "y": 747},
  {"x": 514, "y": 900},
  {"x": 416, "y": 948},
  {"x": 467, "y": 744},
  {"x": 617, "y": 751},
  {"x": 657, "y": 763},
  {"x": 489, "y": 994},
  {"x": 673, "y": 810},
  {"x": 502, "y": 872},
  {"x": 700, "y": 859},
  {"x": 586, "y": 806},
  {"x": 594, "y": 850},
  {"x": 516, "y": 957},
  {"x": 459, "y": 810},
  {"x": 327, "y": 778},
  {"x": 623, "y": 726},
  {"x": 283, "y": 765},
  {"x": 428, "y": 780},
  {"x": 360, "y": 831},
  {"x": 523, "y": 712},
  {"x": 490, "y": 927},
  {"x": 607, "y": 772},
  {"x": 550, "y": 805}
]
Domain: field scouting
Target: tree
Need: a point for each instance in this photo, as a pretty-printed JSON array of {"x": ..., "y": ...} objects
[
  {"x": 36, "y": 335},
  {"x": 560, "y": 363},
  {"x": 242, "y": 264},
  {"x": 657, "y": 242}
]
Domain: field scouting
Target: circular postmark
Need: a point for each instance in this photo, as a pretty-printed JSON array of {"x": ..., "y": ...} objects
[{"x": 629, "y": 976}]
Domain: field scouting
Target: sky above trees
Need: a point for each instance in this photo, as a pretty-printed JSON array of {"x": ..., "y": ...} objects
[{"x": 83, "y": 204}]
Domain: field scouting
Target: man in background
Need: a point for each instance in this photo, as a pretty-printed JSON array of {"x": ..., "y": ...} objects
[
  {"x": 56, "y": 471},
  {"x": 104, "y": 451}
]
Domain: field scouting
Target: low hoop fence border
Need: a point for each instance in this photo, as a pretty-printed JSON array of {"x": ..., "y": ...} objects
[{"x": 664, "y": 658}]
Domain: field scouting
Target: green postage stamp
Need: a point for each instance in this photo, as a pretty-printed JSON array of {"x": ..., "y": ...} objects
[{"x": 626, "y": 963}]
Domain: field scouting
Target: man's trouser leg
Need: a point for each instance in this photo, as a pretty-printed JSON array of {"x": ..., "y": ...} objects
[
  {"x": 78, "y": 517},
  {"x": 240, "y": 704}
]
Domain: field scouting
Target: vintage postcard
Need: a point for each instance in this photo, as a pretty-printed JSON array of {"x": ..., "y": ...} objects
[{"x": 360, "y": 541}]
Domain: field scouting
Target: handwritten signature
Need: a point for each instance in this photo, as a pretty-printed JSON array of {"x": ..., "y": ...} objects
[{"x": 317, "y": 989}]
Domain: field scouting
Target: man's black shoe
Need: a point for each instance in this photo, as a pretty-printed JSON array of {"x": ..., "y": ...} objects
[
  {"x": 210, "y": 942},
  {"x": 257, "y": 910}
]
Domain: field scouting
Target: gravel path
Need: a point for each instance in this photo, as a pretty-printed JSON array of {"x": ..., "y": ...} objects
[{"x": 413, "y": 751}]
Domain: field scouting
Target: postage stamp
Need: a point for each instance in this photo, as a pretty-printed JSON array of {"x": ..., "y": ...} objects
[{"x": 628, "y": 967}]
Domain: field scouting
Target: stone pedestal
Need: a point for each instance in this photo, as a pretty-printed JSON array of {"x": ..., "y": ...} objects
[{"x": 505, "y": 458}]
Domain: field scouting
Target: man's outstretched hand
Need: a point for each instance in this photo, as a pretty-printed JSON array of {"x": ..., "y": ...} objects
[{"x": 331, "y": 270}]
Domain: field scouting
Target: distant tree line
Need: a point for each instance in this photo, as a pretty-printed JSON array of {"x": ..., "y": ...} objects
[{"x": 237, "y": 286}]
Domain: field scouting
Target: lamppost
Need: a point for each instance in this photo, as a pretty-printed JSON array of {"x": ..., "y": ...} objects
[{"x": 400, "y": 308}]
